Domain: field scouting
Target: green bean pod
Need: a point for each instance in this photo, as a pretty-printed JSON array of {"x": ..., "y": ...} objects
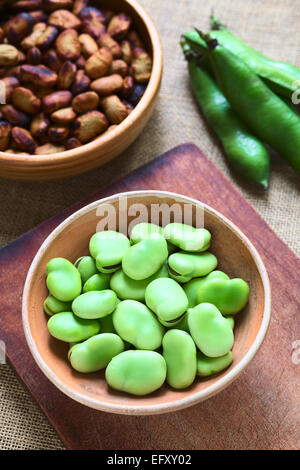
[
  {"x": 245, "y": 152},
  {"x": 261, "y": 109},
  {"x": 280, "y": 76}
]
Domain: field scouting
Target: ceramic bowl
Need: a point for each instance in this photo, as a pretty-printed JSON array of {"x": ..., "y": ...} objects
[
  {"x": 111, "y": 144},
  {"x": 236, "y": 255}
]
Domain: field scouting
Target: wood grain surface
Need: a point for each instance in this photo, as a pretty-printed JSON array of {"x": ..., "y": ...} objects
[{"x": 260, "y": 410}]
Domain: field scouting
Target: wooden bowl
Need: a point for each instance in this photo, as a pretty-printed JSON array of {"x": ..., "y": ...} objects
[
  {"x": 111, "y": 144},
  {"x": 236, "y": 256}
]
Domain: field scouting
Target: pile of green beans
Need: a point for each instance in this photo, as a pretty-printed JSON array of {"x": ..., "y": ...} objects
[
  {"x": 150, "y": 308},
  {"x": 246, "y": 98}
]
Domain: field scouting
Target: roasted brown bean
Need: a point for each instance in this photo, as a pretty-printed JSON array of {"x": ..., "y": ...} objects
[
  {"x": 119, "y": 67},
  {"x": 38, "y": 15},
  {"x": 31, "y": 40},
  {"x": 141, "y": 65},
  {"x": 66, "y": 75},
  {"x": 5, "y": 134},
  {"x": 38, "y": 74},
  {"x": 9, "y": 83},
  {"x": 126, "y": 52},
  {"x": 18, "y": 27},
  {"x": 128, "y": 106},
  {"x": 21, "y": 57},
  {"x": 80, "y": 62},
  {"x": 89, "y": 125},
  {"x": 51, "y": 59},
  {"x": 93, "y": 21},
  {"x": 98, "y": 64},
  {"x": 114, "y": 109},
  {"x": 47, "y": 37},
  {"x": 88, "y": 45},
  {"x": 128, "y": 85},
  {"x": 11, "y": 72},
  {"x": 58, "y": 134},
  {"x": 57, "y": 100},
  {"x": 135, "y": 40},
  {"x": 22, "y": 139},
  {"x": 81, "y": 83},
  {"x": 34, "y": 56},
  {"x": 41, "y": 92},
  {"x": 39, "y": 127},
  {"x": 51, "y": 5},
  {"x": 49, "y": 148},
  {"x": 137, "y": 94},
  {"x": 106, "y": 40},
  {"x": 119, "y": 26},
  {"x": 27, "y": 5},
  {"x": 91, "y": 14},
  {"x": 79, "y": 5},
  {"x": 25, "y": 100},
  {"x": 85, "y": 102},
  {"x": 108, "y": 14},
  {"x": 109, "y": 85},
  {"x": 14, "y": 116},
  {"x": 64, "y": 19},
  {"x": 63, "y": 116},
  {"x": 73, "y": 143},
  {"x": 67, "y": 45},
  {"x": 9, "y": 55}
]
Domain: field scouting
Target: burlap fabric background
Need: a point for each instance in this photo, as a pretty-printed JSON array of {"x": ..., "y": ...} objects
[{"x": 271, "y": 27}]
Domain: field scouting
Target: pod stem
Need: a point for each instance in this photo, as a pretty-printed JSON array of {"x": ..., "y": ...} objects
[
  {"x": 190, "y": 54},
  {"x": 216, "y": 23},
  {"x": 211, "y": 43}
]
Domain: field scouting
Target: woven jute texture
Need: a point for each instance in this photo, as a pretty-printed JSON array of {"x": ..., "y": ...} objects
[{"x": 271, "y": 27}]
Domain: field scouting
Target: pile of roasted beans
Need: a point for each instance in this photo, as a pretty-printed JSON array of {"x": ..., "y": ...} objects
[{"x": 70, "y": 72}]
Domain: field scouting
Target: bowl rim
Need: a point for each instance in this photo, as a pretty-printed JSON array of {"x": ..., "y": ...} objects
[
  {"x": 73, "y": 155},
  {"x": 191, "y": 399}
]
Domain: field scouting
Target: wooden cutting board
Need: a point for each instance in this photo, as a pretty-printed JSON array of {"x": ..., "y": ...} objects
[{"x": 260, "y": 410}]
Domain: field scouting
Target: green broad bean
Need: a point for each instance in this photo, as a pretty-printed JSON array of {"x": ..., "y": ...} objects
[
  {"x": 183, "y": 324},
  {"x": 187, "y": 238},
  {"x": 71, "y": 329},
  {"x": 212, "y": 365},
  {"x": 135, "y": 323},
  {"x": 230, "y": 321},
  {"x": 127, "y": 288},
  {"x": 172, "y": 323},
  {"x": 185, "y": 266},
  {"x": 146, "y": 230},
  {"x": 145, "y": 258},
  {"x": 98, "y": 281},
  {"x": 63, "y": 279},
  {"x": 229, "y": 296},
  {"x": 95, "y": 304},
  {"x": 53, "y": 305},
  {"x": 107, "y": 325},
  {"x": 95, "y": 353},
  {"x": 136, "y": 372},
  {"x": 108, "y": 248},
  {"x": 191, "y": 288},
  {"x": 87, "y": 267},
  {"x": 179, "y": 352},
  {"x": 211, "y": 332},
  {"x": 166, "y": 298}
]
